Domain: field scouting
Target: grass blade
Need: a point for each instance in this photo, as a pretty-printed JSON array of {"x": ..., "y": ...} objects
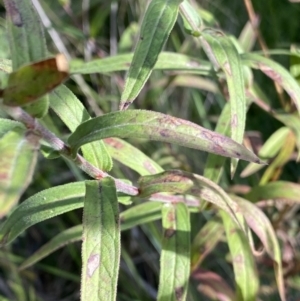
[
  {"x": 156, "y": 27},
  {"x": 101, "y": 241},
  {"x": 175, "y": 255}
]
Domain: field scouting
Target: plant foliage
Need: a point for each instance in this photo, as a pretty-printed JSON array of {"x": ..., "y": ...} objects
[{"x": 165, "y": 220}]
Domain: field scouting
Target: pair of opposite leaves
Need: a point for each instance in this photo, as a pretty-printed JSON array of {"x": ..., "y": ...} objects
[{"x": 30, "y": 82}]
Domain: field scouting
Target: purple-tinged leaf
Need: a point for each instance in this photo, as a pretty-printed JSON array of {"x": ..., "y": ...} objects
[{"x": 159, "y": 127}]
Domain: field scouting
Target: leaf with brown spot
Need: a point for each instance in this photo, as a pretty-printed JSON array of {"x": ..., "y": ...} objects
[
  {"x": 175, "y": 254},
  {"x": 148, "y": 124},
  {"x": 177, "y": 181},
  {"x": 276, "y": 72},
  {"x": 245, "y": 272},
  {"x": 27, "y": 44},
  {"x": 30, "y": 82},
  {"x": 222, "y": 52},
  {"x": 101, "y": 241}
]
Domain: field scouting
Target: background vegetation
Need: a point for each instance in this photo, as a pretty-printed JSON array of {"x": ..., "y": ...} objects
[{"x": 88, "y": 30}]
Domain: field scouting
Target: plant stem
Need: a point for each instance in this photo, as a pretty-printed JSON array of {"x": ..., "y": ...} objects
[{"x": 65, "y": 151}]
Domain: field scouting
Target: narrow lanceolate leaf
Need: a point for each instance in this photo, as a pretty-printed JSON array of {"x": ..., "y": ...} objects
[
  {"x": 192, "y": 184},
  {"x": 175, "y": 254},
  {"x": 140, "y": 214},
  {"x": 131, "y": 156},
  {"x": 166, "y": 61},
  {"x": 280, "y": 160},
  {"x": 17, "y": 161},
  {"x": 215, "y": 164},
  {"x": 213, "y": 286},
  {"x": 262, "y": 227},
  {"x": 28, "y": 83},
  {"x": 7, "y": 125},
  {"x": 192, "y": 22},
  {"x": 157, "y": 24},
  {"x": 42, "y": 206},
  {"x": 293, "y": 122},
  {"x": 243, "y": 262},
  {"x": 276, "y": 72},
  {"x": 27, "y": 42},
  {"x": 279, "y": 190},
  {"x": 71, "y": 111},
  {"x": 159, "y": 127},
  {"x": 134, "y": 216},
  {"x": 205, "y": 241},
  {"x": 246, "y": 277},
  {"x": 269, "y": 150},
  {"x": 101, "y": 241},
  {"x": 63, "y": 238},
  {"x": 224, "y": 55}
]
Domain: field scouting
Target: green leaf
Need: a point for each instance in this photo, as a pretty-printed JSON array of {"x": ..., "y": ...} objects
[
  {"x": 101, "y": 241},
  {"x": 276, "y": 72},
  {"x": 269, "y": 150},
  {"x": 215, "y": 164},
  {"x": 262, "y": 227},
  {"x": 175, "y": 255},
  {"x": 7, "y": 125},
  {"x": 42, "y": 206},
  {"x": 159, "y": 127},
  {"x": 246, "y": 277},
  {"x": 30, "y": 82},
  {"x": 205, "y": 241},
  {"x": 131, "y": 156},
  {"x": 156, "y": 27},
  {"x": 192, "y": 184},
  {"x": 140, "y": 214},
  {"x": 63, "y": 238},
  {"x": 17, "y": 162},
  {"x": 281, "y": 190},
  {"x": 60, "y": 199},
  {"x": 293, "y": 122},
  {"x": 71, "y": 111},
  {"x": 223, "y": 54},
  {"x": 192, "y": 22},
  {"x": 27, "y": 42},
  {"x": 134, "y": 216},
  {"x": 166, "y": 61}
]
